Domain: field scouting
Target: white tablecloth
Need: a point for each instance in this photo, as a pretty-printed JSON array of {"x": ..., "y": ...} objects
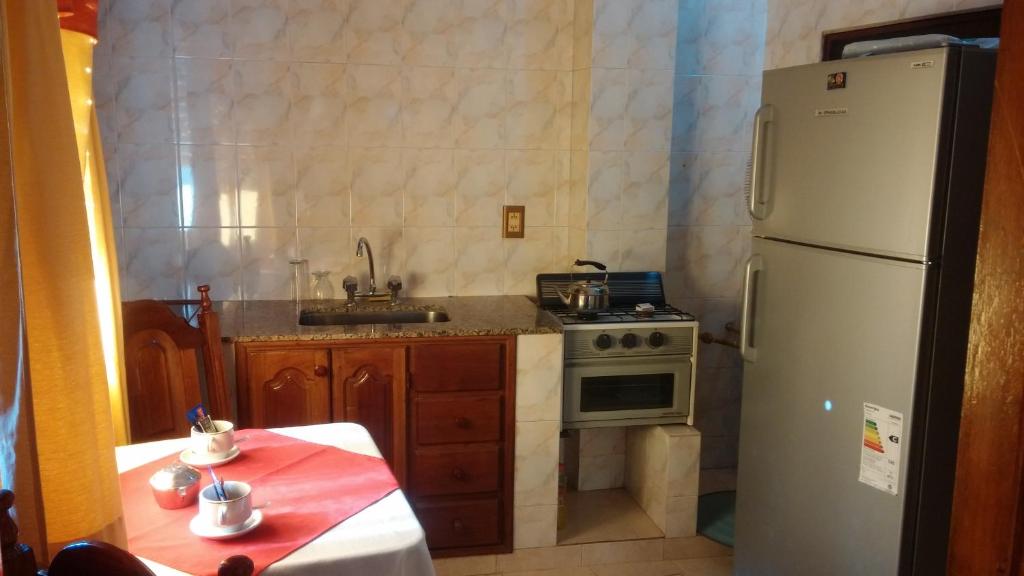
[{"x": 385, "y": 539}]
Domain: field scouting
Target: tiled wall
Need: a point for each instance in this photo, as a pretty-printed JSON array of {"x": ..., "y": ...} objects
[
  {"x": 624, "y": 55},
  {"x": 717, "y": 91},
  {"x": 538, "y": 424},
  {"x": 241, "y": 133},
  {"x": 662, "y": 468},
  {"x": 795, "y": 26}
]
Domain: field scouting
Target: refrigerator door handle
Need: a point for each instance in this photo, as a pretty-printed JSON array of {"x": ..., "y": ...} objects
[
  {"x": 757, "y": 202},
  {"x": 755, "y": 264}
]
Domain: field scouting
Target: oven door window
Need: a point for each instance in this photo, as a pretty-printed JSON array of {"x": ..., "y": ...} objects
[{"x": 627, "y": 392}]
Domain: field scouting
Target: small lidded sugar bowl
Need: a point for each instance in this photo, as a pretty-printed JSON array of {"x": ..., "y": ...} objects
[{"x": 175, "y": 486}]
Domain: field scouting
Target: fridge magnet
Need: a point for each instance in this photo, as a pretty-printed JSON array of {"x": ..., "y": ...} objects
[{"x": 880, "y": 449}]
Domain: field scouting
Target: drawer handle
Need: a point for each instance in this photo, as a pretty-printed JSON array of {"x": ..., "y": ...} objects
[
  {"x": 462, "y": 422},
  {"x": 457, "y": 526},
  {"x": 458, "y": 473}
]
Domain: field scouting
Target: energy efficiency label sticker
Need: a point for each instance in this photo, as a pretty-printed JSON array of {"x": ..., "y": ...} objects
[{"x": 880, "y": 450}]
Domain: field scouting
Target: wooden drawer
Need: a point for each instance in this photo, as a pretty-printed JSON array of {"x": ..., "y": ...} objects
[
  {"x": 465, "y": 471},
  {"x": 458, "y": 420},
  {"x": 448, "y": 367},
  {"x": 461, "y": 523}
]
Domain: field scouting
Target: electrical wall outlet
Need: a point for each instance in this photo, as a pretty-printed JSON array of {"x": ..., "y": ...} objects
[{"x": 513, "y": 221}]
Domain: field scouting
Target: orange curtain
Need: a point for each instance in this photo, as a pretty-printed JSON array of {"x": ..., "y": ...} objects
[{"x": 74, "y": 431}]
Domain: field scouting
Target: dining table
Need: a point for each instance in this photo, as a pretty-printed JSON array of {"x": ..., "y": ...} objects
[{"x": 383, "y": 539}]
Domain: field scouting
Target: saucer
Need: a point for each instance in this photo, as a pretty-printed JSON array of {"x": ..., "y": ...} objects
[
  {"x": 200, "y": 528},
  {"x": 188, "y": 456}
]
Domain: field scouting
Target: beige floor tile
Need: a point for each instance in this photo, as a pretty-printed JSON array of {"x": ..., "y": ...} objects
[
  {"x": 620, "y": 552},
  {"x": 694, "y": 547},
  {"x": 561, "y": 557},
  {"x": 605, "y": 516},
  {"x": 577, "y": 571},
  {"x": 466, "y": 566},
  {"x": 662, "y": 568},
  {"x": 707, "y": 566}
]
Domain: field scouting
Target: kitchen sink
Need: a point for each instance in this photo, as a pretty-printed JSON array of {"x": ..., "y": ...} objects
[{"x": 350, "y": 317}]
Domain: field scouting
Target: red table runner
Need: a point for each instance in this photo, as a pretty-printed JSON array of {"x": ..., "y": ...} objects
[{"x": 310, "y": 489}]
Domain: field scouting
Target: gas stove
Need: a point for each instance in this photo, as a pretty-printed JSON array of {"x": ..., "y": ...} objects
[{"x": 628, "y": 365}]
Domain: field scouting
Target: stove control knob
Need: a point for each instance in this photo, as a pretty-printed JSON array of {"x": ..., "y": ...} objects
[
  {"x": 656, "y": 339},
  {"x": 603, "y": 342},
  {"x": 629, "y": 340}
]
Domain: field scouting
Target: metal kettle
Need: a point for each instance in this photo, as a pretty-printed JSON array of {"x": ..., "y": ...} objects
[{"x": 587, "y": 296}]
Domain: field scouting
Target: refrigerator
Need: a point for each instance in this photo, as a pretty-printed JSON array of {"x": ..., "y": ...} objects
[{"x": 865, "y": 193}]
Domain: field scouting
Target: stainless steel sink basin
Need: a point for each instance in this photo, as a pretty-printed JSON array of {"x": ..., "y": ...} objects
[{"x": 334, "y": 318}]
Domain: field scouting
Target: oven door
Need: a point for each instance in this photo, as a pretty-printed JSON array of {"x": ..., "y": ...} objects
[{"x": 624, "y": 391}]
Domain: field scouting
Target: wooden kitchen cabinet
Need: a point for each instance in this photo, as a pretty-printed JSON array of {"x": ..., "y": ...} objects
[
  {"x": 441, "y": 411},
  {"x": 461, "y": 443},
  {"x": 368, "y": 387},
  {"x": 284, "y": 387}
]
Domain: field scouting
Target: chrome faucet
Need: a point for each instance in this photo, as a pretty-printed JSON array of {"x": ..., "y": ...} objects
[{"x": 369, "y": 256}]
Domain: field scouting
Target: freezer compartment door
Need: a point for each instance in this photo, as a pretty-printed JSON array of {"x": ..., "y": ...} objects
[
  {"x": 854, "y": 166},
  {"x": 832, "y": 332}
]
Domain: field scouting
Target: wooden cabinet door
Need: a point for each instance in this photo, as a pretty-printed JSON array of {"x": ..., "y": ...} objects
[
  {"x": 369, "y": 389},
  {"x": 287, "y": 387}
]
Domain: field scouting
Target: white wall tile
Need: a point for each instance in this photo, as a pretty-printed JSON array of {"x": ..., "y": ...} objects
[
  {"x": 429, "y": 106},
  {"x": 536, "y": 462},
  {"x": 143, "y": 99},
  {"x": 476, "y": 248},
  {"x": 266, "y": 186},
  {"x": 261, "y": 102},
  {"x": 322, "y": 186},
  {"x": 259, "y": 29},
  {"x": 213, "y": 256},
  {"x": 430, "y": 32},
  {"x": 375, "y": 32},
  {"x": 148, "y": 185},
  {"x": 316, "y": 30},
  {"x": 429, "y": 261},
  {"x": 374, "y": 105},
  {"x": 205, "y": 99},
  {"x": 201, "y": 28},
  {"x": 538, "y": 377},
  {"x": 266, "y": 274},
  {"x": 482, "y": 34},
  {"x": 152, "y": 262},
  {"x": 534, "y": 526},
  {"x": 139, "y": 29},
  {"x": 540, "y": 34},
  {"x": 209, "y": 181},
  {"x": 377, "y": 186},
  {"x": 317, "y": 111}
]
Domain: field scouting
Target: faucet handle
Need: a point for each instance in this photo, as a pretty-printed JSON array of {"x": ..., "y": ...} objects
[
  {"x": 350, "y": 284},
  {"x": 394, "y": 285}
]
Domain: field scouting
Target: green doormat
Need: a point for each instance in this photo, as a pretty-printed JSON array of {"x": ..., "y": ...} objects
[{"x": 716, "y": 516}]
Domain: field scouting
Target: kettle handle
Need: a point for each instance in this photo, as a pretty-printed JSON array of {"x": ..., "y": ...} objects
[{"x": 593, "y": 263}]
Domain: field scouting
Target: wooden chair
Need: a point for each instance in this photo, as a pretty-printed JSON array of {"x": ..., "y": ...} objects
[
  {"x": 162, "y": 352},
  {"x": 84, "y": 558}
]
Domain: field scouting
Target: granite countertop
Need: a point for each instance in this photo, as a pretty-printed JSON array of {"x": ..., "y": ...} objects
[{"x": 270, "y": 320}]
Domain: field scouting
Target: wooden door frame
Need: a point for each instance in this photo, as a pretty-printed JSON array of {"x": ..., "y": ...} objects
[{"x": 987, "y": 533}]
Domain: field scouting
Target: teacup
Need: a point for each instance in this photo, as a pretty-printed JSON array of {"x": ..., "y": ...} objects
[
  {"x": 214, "y": 444},
  {"x": 228, "y": 514}
]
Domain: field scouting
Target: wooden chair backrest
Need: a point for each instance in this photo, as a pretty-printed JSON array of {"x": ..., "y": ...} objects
[{"x": 162, "y": 352}]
